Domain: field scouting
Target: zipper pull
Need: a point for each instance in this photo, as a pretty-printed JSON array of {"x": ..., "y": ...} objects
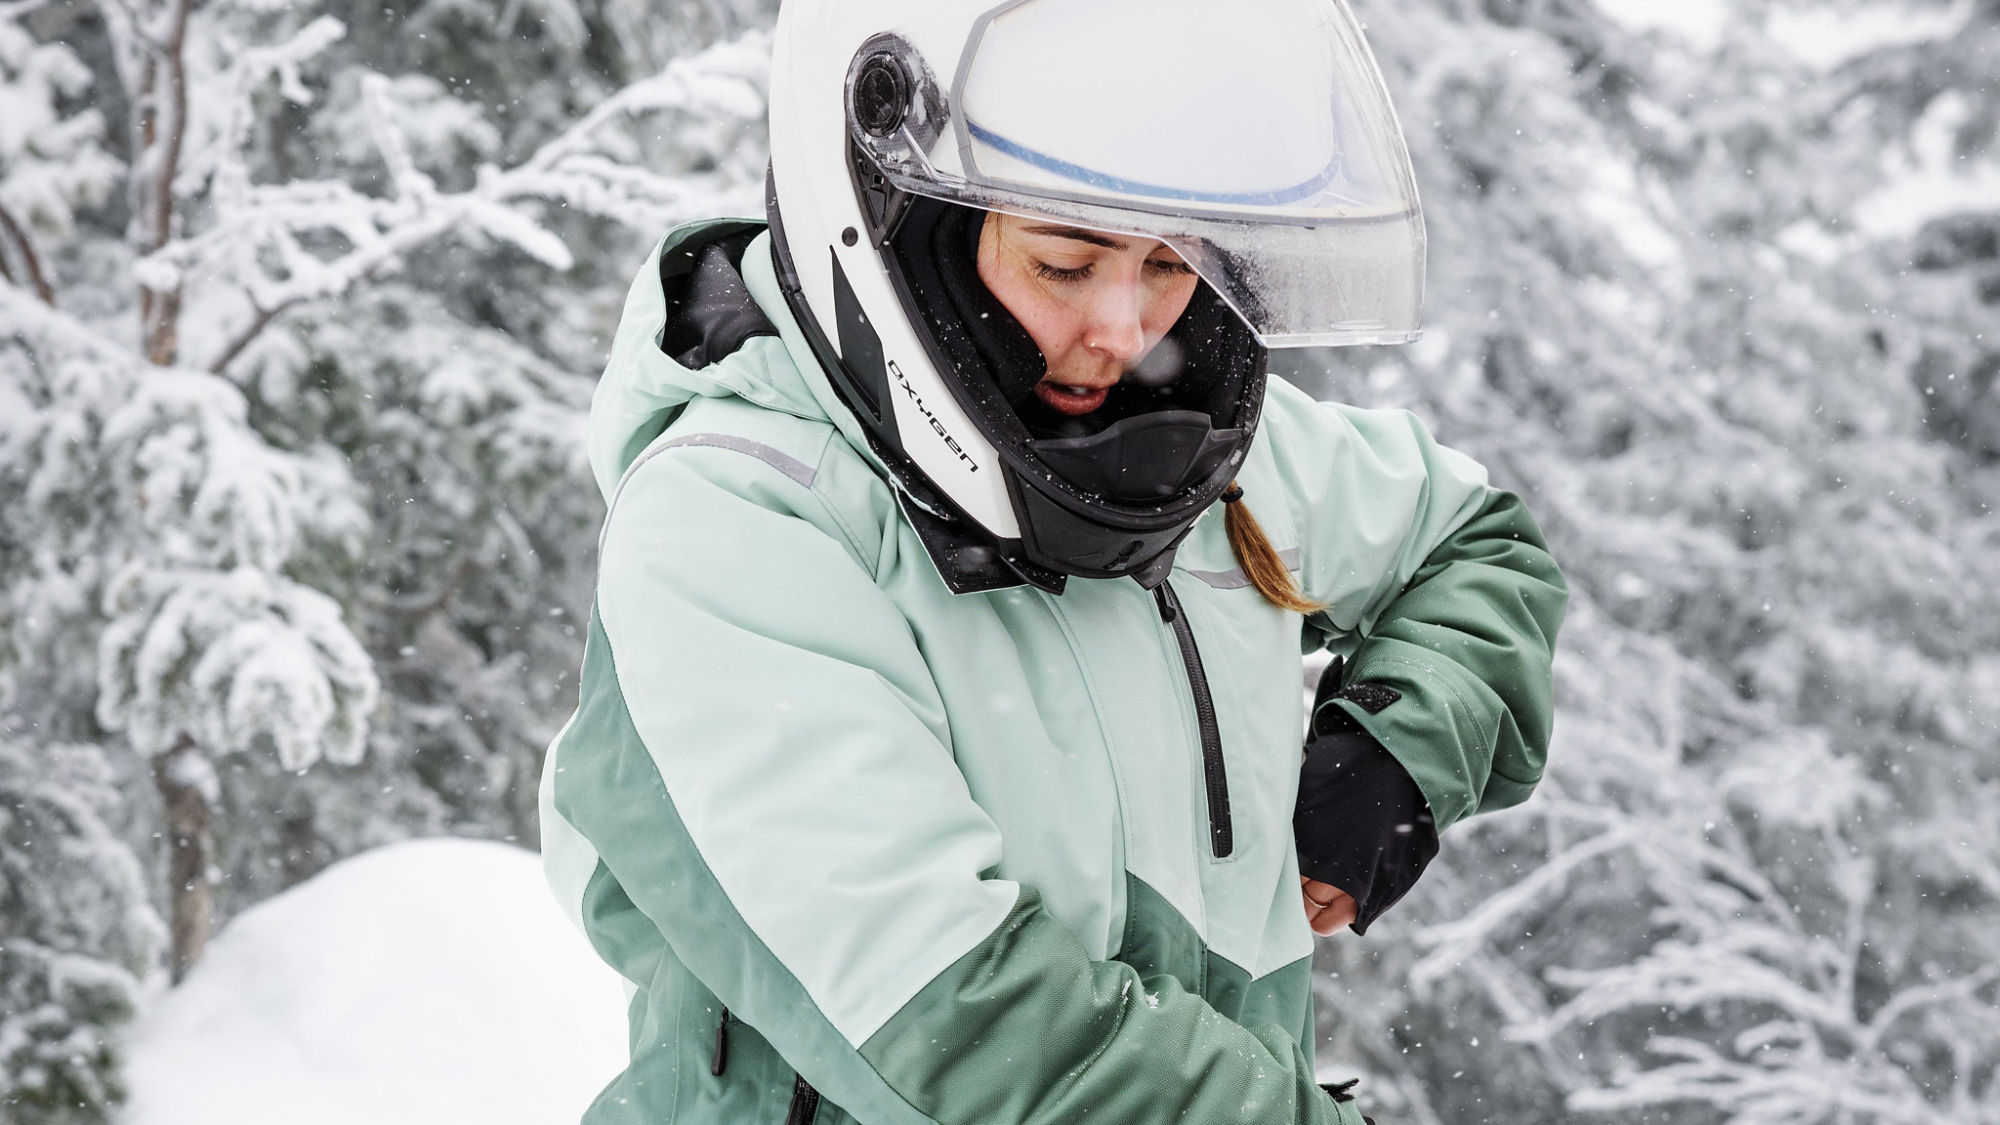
[
  {"x": 721, "y": 1059},
  {"x": 1165, "y": 597}
]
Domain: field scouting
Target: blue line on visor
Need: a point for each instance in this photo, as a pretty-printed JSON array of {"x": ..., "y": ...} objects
[{"x": 1078, "y": 172}]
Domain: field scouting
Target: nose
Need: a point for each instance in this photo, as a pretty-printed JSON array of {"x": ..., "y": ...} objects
[{"x": 1116, "y": 329}]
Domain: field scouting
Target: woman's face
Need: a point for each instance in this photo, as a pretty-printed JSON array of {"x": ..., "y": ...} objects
[{"x": 1094, "y": 303}]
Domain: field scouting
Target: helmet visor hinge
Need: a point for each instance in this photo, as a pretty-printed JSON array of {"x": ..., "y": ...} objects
[{"x": 881, "y": 94}]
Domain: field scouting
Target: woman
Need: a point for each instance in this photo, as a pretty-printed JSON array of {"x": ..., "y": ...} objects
[{"x": 937, "y": 757}]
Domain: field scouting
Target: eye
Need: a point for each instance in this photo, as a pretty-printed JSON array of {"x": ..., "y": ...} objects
[
  {"x": 1048, "y": 272},
  {"x": 1170, "y": 266}
]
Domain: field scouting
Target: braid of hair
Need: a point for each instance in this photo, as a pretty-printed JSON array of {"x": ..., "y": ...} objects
[{"x": 1259, "y": 560}]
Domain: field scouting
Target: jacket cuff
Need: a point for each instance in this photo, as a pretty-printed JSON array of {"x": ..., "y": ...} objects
[{"x": 1361, "y": 823}]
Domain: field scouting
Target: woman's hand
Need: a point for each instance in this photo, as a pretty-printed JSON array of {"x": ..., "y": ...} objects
[
  {"x": 1363, "y": 828},
  {"x": 1329, "y": 909}
]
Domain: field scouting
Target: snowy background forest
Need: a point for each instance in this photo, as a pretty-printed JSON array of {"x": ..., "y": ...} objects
[{"x": 303, "y": 303}]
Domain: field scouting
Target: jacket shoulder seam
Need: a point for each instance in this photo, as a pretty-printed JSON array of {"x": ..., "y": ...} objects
[{"x": 807, "y": 474}]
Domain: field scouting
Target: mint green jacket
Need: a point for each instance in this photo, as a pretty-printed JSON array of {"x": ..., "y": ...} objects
[{"x": 865, "y": 850}]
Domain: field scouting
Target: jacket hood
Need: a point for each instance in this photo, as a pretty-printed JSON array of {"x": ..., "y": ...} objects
[
  {"x": 704, "y": 318},
  {"x": 707, "y": 318}
]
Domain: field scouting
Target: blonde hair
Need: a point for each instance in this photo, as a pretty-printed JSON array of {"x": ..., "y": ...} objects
[{"x": 1259, "y": 560}]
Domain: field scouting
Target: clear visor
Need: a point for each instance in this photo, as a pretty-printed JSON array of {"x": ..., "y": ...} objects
[{"x": 1254, "y": 137}]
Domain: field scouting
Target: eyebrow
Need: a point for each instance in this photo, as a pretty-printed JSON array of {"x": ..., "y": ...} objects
[{"x": 1080, "y": 235}]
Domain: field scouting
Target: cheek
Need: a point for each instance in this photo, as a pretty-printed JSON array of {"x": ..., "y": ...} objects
[
  {"x": 1050, "y": 323},
  {"x": 1166, "y": 303}
]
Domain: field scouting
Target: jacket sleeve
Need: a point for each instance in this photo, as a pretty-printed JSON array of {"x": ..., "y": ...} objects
[
  {"x": 1441, "y": 592},
  {"x": 763, "y": 765}
]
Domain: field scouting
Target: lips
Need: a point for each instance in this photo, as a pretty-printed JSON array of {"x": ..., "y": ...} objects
[{"x": 1068, "y": 400}]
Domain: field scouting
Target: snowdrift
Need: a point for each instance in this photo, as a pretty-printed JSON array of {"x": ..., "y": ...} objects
[{"x": 427, "y": 983}]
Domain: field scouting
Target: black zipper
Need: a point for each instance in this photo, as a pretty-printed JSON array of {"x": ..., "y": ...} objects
[
  {"x": 1221, "y": 836},
  {"x": 721, "y": 1058},
  {"x": 805, "y": 1099},
  {"x": 805, "y": 1103}
]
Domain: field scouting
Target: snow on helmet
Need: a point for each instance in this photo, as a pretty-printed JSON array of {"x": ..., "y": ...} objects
[{"x": 1255, "y": 138}]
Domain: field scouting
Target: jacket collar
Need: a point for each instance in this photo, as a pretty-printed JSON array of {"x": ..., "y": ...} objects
[{"x": 707, "y": 317}]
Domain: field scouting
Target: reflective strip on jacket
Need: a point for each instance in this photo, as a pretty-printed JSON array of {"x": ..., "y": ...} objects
[{"x": 949, "y": 858}]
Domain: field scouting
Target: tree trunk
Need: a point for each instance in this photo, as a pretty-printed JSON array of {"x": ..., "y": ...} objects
[
  {"x": 162, "y": 105},
  {"x": 185, "y": 804},
  {"x": 162, "y": 314}
]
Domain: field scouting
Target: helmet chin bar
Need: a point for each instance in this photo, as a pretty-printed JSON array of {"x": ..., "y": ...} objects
[
  {"x": 1148, "y": 458},
  {"x": 1050, "y": 534}
]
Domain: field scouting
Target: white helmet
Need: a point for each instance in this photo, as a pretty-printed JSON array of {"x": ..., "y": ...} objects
[{"x": 1255, "y": 138}]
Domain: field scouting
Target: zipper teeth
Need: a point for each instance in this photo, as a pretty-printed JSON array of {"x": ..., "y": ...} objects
[
  {"x": 1215, "y": 774},
  {"x": 805, "y": 1102},
  {"x": 720, "y": 1061}
]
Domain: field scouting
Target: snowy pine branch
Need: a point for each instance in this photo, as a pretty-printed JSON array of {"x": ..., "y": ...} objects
[
  {"x": 261, "y": 234},
  {"x": 727, "y": 81},
  {"x": 78, "y": 934},
  {"x": 233, "y": 659},
  {"x": 206, "y": 639},
  {"x": 40, "y": 326},
  {"x": 407, "y": 183},
  {"x": 1911, "y": 1001},
  {"x": 220, "y": 156}
]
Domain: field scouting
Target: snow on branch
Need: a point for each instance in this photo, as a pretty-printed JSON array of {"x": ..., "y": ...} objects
[
  {"x": 1682, "y": 976},
  {"x": 1451, "y": 944},
  {"x": 176, "y": 443},
  {"x": 605, "y": 187},
  {"x": 1913, "y": 1000},
  {"x": 1778, "y": 980},
  {"x": 1780, "y": 1089},
  {"x": 728, "y": 80},
  {"x": 206, "y": 638},
  {"x": 261, "y": 235},
  {"x": 80, "y": 932},
  {"x": 233, "y": 659},
  {"x": 33, "y": 322},
  {"x": 221, "y": 156},
  {"x": 180, "y": 447},
  {"x": 409, "y": 183},
  {"x": 1735, "y": 953}
]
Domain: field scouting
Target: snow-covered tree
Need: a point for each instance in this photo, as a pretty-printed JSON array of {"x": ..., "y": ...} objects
[
  {"x": 290, "y": 426},
  {"x": 303, "y": 303},
  {"x": 1663, "y": 308},
  {"x": 76, "y": 934}
]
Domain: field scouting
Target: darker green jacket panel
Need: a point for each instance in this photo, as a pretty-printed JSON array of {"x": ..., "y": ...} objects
[{"x": 1468, "y": 648}]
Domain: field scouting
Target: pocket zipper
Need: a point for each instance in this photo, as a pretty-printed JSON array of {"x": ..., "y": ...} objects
[
  {"x": 805, "y": 1103},
  {"x": 721, "y": 1058}
]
